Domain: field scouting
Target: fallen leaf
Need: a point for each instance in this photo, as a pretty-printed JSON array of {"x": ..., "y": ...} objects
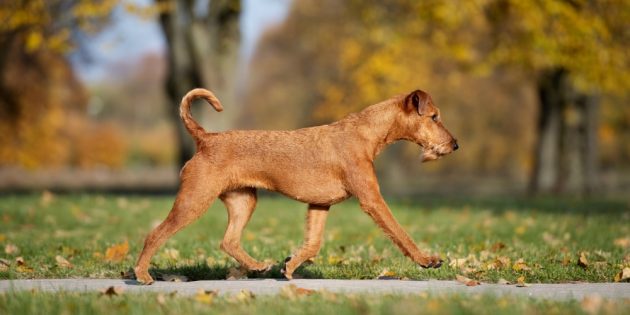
[
  {"x": 62, "y": 262},
  {"x": 245, "y": 296},
  {"x": 160, "y": 299},
  {"x": 457, "y": 263},
  {"x": 550, "y": 239},
  {"x": 46, "y": 198},
  {"x": 2, "y": 237},
  {"x": 467, "y": 281},
  {"x": 502, "y": 261},
  {"x": 173, "y": 278},
  {"x": 205, "y": 297},
  {"x": 117, "y": 252},
  {"x": 171, "y": 253},
  {"x": 582, "y": 261},
  {"x": 4, "y": 264},
  {"x": 497, "y": 247},
  {"x": 520, "y": 265},
  {"x": 520, "y": 282},
  {"x": 503, "y": 282},
  {"x": 292, "y": 291},
  {"x": 22, "y": 266},
  {"x": 11, "y": 249},
  {"x": 112, "y": 291},
  {"x": 592, "y": 304},
  {"x": 623, "y": 242},
  {"x": 387, "y": 275},
  {"x": 335, "y": 260},
  {"x": 623, "y": 275},
  {"x": 236, "y": 273}
]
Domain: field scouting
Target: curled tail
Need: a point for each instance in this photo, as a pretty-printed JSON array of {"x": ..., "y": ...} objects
[{"x": 192, "y": 126}]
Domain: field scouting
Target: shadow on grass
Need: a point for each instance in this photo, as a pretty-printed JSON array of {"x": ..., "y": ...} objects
[{"x": 204, "y": 272}]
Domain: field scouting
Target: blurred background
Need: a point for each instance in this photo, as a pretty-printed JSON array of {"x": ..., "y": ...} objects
[{"x": 535, "y": 91}]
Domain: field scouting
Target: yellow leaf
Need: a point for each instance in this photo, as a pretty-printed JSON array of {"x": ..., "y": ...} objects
[
  {"x": 520, "y": 282},
  {"x": 497, "y": 246},
  {"x": 34, "y": 41},
  {"x": 46, "y": 198},
  {"x": 245, "y": 296},
  {"x": 387, "y": 275},
  {"x": 623, "y": 275},
  {"x": 21, "y": 265},
  {"x": 160, "y": 299},
  {"x": 293, "y": 292},
  {"x": 171, "y": 253},
  {"x": 582, "y": 261},
  {"x": 503, "y": 282},
  {"x": 520, "y": 265},
  {"x": 4, "y": 264},
  {"x": 457, "y": 263},
  {"x": 62, "y": 262},
  {"x": 467, "y": 281},
  {"x": 335, "y": 260},
  {"x": 11, "y": 249},
  {"x": 623, "y": 242},
  {"x": 117, "y": 252},
  {"x": 591, "y": 304},
  {"x": 205, "y": 297}
]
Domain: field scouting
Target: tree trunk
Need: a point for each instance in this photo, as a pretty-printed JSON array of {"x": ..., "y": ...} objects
[
  {"x": 565, "y": 159},
  {"x": 589, "y": 106},
  {"x": 545, "y": 170},
  {"x": 197, "y": 51}
]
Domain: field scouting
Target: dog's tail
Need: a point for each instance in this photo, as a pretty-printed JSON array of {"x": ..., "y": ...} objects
[{"x": 192, "y": 126}]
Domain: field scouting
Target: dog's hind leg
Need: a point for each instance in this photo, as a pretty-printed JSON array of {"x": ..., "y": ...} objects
[
  {"x": 240, "y": 205},
  {"x": 193, "y": 199},
  {"x": 314, "y": 230}
]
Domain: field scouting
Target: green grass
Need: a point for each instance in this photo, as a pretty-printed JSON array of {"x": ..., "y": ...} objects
[
  {"x": 547, "y": 234},
  {"x": 318, "y": 303}
]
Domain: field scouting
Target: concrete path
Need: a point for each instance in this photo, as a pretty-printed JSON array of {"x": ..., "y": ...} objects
[{"x": 273, "y": 286}]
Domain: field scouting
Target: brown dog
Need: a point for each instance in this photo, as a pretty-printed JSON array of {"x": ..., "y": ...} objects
[{"x": 320, "y": 166}]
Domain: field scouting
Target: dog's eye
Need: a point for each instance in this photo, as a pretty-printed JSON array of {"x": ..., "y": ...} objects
[{"x": 434, "y": 117}]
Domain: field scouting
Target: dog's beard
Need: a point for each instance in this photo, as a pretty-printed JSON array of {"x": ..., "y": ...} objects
[{"x": 429, "y": 155}]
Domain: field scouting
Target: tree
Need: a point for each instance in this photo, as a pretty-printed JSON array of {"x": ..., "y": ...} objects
[
  {"x": 202, "y": 52},
  {"x": 38, "y": 88},
  {"x": 571, "y": 52}
]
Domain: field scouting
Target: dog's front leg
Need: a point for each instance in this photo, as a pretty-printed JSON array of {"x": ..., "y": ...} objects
[{"x": 366, "y": 189}]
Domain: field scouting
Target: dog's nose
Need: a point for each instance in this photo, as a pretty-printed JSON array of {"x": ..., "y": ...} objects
[{"x": 455, "y": 145}]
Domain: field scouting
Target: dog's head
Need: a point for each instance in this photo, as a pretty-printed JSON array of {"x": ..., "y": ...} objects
[{"x": 422, "y": 124}]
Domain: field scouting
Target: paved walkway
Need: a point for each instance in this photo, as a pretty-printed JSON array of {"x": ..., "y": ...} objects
[{"x": 273, "y": 286}]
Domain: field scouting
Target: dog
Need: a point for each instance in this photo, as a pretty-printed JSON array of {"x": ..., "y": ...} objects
[{"x": 320, "y": 166}]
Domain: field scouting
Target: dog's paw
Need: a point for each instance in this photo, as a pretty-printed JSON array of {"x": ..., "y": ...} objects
[
  {"x": 262, "y": 268},
  {"x": 285, "y": 271},
  {"x": 287, "y": 274},
  {"x": 431, "y": 262},
  {"x": 143, "y": 277}
]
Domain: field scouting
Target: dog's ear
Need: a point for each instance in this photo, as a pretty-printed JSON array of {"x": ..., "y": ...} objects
[{"x": 417, "y": 101}]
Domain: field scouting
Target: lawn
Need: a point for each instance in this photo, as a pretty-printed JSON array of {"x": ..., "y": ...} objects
[
  {"x": 288, "y": 303},
  {"x": 541, "y": 240}
]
